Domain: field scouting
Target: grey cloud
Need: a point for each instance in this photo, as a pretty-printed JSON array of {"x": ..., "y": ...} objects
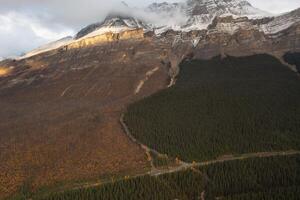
[
  {"x": 27, "y": 24},
  {"x": 67, "y": 12},
  {"x": 78, "y": 13},
  {"x": 47, "y": 20},
  {"x": 71, "y": 13},
  {"x": 20, "y": 33}
]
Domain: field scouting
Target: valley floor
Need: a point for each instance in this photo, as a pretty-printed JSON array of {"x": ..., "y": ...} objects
[{"x": 227, "y": 130}]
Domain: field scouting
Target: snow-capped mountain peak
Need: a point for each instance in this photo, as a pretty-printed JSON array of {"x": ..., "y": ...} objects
[
  {"x": 184, "y": 17},
  {"x": 219, "y": 7},
  {"x": 200, "y": 13},
  {"x": 48, "y": 47},
  {"x": 112, "y": 23}
]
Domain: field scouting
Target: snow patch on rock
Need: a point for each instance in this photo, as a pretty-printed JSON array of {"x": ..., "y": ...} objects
[
  {"x": 281, "y": 22},
  {"x": 48, "y": 47}
]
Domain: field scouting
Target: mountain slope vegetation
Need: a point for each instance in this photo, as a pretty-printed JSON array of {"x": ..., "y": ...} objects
[
  {"x": 222, "y": 107},
  {"x": 257, "y": 178}
]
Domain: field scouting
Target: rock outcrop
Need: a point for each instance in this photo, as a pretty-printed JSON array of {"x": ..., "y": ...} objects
[{"x": 136, "y": 34}]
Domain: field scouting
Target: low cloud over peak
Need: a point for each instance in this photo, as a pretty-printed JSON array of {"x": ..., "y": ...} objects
[{"x": 28, "y": 24}]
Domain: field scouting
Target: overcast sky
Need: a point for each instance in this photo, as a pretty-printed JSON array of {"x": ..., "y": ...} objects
[{"x": 27, "y": 24}]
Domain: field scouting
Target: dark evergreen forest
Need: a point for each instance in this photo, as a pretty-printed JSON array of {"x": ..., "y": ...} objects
[
  {"x": 220, "y": 107},
  {"x": 259, "y": 178}
]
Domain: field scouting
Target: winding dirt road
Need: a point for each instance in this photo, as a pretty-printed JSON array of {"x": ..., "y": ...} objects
[{"x": 182, "y": 165}]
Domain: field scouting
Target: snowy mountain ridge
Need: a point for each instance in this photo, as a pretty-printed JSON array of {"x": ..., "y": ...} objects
[
  {"x": 184, "y": 17},
  {"x": 200, "y": 13},
  {"x": 112, "y": 23},
  {"x": 48, "y": 47}
]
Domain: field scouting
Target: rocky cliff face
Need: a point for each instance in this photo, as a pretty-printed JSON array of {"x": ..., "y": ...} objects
[
  {"x": 135, "y": 34},
  {"x": 223, "y": 16},
  {"x": 244, "y": 38},
  {"x": 200, "y": 13},
  {"x": 281, "y": 22}
]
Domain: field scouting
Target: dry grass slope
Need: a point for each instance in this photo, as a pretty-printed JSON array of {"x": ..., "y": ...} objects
[{"x": 60, "y": 120}]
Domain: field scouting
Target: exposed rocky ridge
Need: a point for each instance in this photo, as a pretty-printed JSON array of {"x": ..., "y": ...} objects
[
  {"x": 223, "y": 16},
  {"x": 114, "y": 28},
  {"x": 113, "y": 21},
  {"x": 48, "y": 47},
  {"x": 200, "y": 13},
  {"x": 107, "y": 37},
  {"x": 281, "y": 22}
]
